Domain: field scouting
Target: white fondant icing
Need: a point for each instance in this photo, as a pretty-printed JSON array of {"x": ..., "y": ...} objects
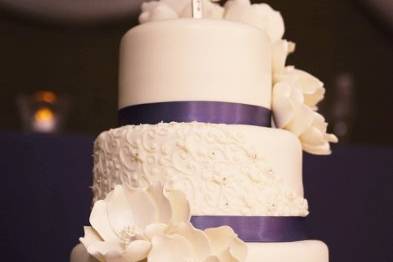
[
  {"x": 195, "y": 59},
  {"x": 223, "y": 169},
  {"x": 299, "y": 251}
]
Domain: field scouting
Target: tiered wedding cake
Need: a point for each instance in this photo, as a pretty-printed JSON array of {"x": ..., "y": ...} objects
[{"x": 196, "y": 99}]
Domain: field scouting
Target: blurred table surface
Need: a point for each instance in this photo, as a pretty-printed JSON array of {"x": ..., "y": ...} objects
[{"x": 47, "y": 198}]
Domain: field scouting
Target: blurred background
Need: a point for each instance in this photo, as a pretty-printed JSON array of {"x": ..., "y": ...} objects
[
  {"x": 70, "y": 48},
  {"x": 58, "y": 74}
]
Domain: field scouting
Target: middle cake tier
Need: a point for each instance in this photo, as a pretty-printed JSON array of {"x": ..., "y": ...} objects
[{"x": 222, "y": 169}]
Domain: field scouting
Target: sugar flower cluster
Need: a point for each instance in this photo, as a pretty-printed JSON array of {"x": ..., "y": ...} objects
[
  {"x": 153, "y": 224},
  {"x": 259, "y": 15},
  {"x": 295, "y": 98}
]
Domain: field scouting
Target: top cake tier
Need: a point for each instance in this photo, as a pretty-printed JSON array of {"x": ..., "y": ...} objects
[{"x": 195, "y": 60}]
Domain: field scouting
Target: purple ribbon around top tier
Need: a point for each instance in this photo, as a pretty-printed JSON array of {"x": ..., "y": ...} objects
[
  {"x": 257, "y": 228},
  {"x": 200, "y": 111}
]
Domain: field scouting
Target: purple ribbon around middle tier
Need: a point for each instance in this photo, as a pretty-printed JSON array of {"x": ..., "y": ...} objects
[
  {"x": 200, "y": 111},
  {"x": 257, "y": 228}
]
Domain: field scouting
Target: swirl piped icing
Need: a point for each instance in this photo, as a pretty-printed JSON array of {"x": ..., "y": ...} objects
[{"x": 220, "y": 173}]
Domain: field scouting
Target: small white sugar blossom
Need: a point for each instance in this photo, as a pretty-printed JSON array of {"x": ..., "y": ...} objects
[
  {"x": 311, "y": 87},
  {"x": 172, "y": 9},
  {"x": 153, "y": 225},
  {"x": 295, "y": 96},
  {"x": 258, "y": 15}
]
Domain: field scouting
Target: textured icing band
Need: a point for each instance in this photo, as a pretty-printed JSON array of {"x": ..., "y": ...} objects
[
  {"x": 200, "y": 111},
  {"x": 257, "y": 228}
]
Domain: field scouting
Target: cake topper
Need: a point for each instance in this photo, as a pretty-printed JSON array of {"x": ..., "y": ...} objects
[{"x": 197, "y": 9}]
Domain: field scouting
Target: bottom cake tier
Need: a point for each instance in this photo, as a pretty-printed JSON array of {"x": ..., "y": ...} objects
[{"x": 298, "y": 251}]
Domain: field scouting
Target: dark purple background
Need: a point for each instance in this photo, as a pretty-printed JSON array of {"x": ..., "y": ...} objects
[{"x": 46, "y": 198}]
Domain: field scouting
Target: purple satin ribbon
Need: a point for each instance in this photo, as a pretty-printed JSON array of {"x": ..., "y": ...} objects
[
  {"x": 200, "y": 111},
  {"x": 257, "y": 228}
]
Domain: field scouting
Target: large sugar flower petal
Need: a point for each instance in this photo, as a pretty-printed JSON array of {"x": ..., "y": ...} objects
[
  {"x": 89, "y": 241},
  {"x": 285, "y": 100},
  {"x": 220, "y": 238},
  {"x": 105, "y": 251},
  {"x": 119, "y": 212},
  {"x": 90, "y": 236},
  {"x": 137, "y": 250},
  {"x": 238, "y": 249},
  {"x": 101, "y": 250},
  {"x": 225, "y": 244},
  {"x": 226, "y": 256},
  {"x": 143, "y": 206},
  {"x": 315, "y": 140},
  {"x": 155, "y": 230},
  {"x": 170, "y": 248},
  {"x": 163, "y": 206},
  {"x": 198, "y": 238},
  {"x": 100, "y": 221},
  {"x": 316, "y": 133},
  {"x": 310, "y": 86},
  {"x": 302, "y": 120},
  {"x": 179, "y": 206}
]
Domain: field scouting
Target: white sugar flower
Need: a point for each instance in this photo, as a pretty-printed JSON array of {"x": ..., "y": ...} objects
[
  {"x": 293, "y": 114},
  {"x": 259, "y": 15},
  {"x": 310, "y": 86},
  {"x": 132, "y": 225},
  {"x": 172, "y": 9},
  {"x": 315, "y": 139}
]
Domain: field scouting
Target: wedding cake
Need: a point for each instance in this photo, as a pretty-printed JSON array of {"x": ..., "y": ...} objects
[{"x": 207, "y": 162}]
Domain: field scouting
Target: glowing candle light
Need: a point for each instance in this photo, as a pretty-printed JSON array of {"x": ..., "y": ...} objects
[{"x": 44, "y": 120}]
